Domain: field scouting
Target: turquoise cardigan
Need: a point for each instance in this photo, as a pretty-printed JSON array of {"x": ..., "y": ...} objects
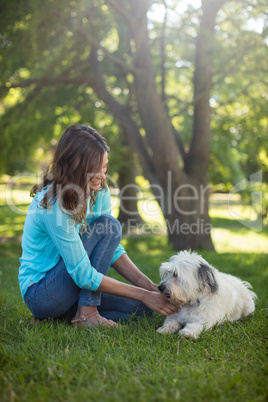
[{"x": 49, "y": 234}]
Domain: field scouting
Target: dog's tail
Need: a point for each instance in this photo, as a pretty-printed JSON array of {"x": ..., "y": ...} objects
[{"x": 249, "y": 287}]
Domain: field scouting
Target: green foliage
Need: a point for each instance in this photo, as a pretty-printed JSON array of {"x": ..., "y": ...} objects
[
  {"x": 43, "y": 42},
  {"x": 238, "y": 100},
  {"x": 49, "y": 42},
  {"x": 238, "y": 95}
]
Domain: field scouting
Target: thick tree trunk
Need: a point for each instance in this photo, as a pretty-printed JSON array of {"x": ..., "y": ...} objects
[
  {"x": 187, "y": 216},
  {"x": 196, "y": 217},
  {"x": 186, "y": 206},
  {"x": 185, "y": 203},
  {"x": 154, "y": 117},
  {"x": 129, "y": 216}
]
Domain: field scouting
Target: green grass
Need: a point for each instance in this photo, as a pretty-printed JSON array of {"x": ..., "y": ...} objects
[{"x": 56, "y": 362}]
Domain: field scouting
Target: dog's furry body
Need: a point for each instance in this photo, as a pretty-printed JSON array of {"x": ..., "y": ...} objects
[{"x": 206, "y": 295}]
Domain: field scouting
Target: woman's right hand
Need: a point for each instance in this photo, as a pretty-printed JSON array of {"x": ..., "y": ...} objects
[
  {"x": 153, "y": 299},
  {"x": 158, "y": 302}
]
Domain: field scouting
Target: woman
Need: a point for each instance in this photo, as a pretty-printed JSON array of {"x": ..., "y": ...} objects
[{"x": 70, "y": 240}]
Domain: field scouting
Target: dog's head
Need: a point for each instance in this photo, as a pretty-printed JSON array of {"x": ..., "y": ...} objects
[{"x": 186, "y": 277}]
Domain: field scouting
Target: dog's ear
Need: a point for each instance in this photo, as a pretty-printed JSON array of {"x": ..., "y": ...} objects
[{"x": 207, "y": 277}]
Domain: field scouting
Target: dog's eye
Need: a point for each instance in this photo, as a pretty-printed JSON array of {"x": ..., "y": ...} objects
[{"x": 175, "y": 274}]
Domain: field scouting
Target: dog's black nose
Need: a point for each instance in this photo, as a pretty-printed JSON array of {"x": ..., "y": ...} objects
[{"x": 161, "y": 287}]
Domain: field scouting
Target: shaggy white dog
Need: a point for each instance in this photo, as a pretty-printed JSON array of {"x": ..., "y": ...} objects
[{"x": 206, "y": 295}]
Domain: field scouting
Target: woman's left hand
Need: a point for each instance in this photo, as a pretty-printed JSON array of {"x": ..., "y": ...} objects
[{"x": 153, "y": 288}]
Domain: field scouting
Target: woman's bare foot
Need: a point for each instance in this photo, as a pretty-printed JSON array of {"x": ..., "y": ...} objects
[{"x": 88, "y": 316}]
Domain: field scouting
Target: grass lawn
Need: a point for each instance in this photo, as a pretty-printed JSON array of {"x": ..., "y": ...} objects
[{"x": 56, "y": 362}]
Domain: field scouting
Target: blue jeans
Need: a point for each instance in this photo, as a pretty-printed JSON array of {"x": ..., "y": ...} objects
[{"x": 57, "y": 295}]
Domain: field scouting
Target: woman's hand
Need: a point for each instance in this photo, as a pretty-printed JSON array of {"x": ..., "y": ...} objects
[
  {"x": 152, "y": 299},
  {"x": 125, "y": 267},
  {"x": 159, "y": 303},
  {"x": 153, "y": 287}
]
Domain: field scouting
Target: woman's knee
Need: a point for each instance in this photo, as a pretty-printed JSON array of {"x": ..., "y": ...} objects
[{"x": 108, "y": 225}]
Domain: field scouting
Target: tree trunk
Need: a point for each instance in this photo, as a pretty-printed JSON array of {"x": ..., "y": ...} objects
[
  {"x": 186, "y": 206},
  {"x": 187, "y": 216},
  {"x": 129, "y": 215},
  {"x": 181, "y": 192}
]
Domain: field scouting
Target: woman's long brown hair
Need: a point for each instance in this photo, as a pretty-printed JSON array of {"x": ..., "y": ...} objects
[{"x": 78, "y": 156}]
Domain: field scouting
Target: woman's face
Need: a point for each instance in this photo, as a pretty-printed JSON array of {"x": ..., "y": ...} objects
[{"x": 95, "y": 182}]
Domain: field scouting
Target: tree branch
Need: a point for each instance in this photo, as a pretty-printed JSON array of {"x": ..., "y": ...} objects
[
  {"x": 211, "y": 7},
  {"x": 179, "y": 142},
  {"x": 185, "y": 107},
  {"x": 234, "y": 66},
  {"x": 51, "y": 81},
  {"x": 153, "y": 114},
  {"x": 122, "y": 114},
  {"x": 121, "y": 10},
  {"x": 196, "y": 161},
  {"x": 121, "y": 63},
  {"x": 213, "y": 83},
  {"x": 163, "y": 56}
]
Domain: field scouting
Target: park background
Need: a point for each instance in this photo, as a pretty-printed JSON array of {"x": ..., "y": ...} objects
[{"x": 178, "y": 89}]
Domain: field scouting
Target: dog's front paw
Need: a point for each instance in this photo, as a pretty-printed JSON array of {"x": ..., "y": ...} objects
[
  {"x": 191, "y": 331},
  {"x": 163, "y": 330},
  {"x": 169, "y": 328}
]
